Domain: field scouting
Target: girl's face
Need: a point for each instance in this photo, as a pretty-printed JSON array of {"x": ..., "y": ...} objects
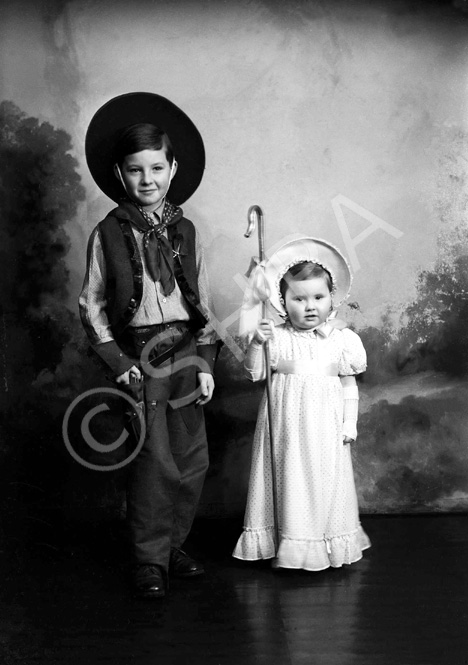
[
  {"x": 308, "y": 302},
  {"x": 147, "y": 176}
]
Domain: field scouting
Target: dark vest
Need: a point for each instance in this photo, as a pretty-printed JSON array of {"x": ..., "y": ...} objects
[{"x": 124, "y": 266}]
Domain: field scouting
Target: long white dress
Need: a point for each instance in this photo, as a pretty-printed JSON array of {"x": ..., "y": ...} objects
[{"x": 318, "y": 515}]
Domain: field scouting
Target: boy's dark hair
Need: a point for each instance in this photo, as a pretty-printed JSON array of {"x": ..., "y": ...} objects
[
  {"x": 304, "y": 270},
  {"x": 142, "y": 136}
]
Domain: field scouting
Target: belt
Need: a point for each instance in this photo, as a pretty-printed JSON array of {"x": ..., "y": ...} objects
[
  {"x": 185, "y": 339},
  {"x": 158, "y": 327},
  {"x": 143, "y": 334}
]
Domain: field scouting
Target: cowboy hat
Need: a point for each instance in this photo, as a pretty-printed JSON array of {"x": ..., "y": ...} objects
[{"x": 144, "y": 107}]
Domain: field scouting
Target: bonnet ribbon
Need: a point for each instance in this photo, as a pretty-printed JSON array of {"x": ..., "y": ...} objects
[
  {"x": 256, "y": 293},
  {"x": 323, "y": 329}
]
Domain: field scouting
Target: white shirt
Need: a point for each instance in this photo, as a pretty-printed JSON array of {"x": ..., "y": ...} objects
[{"x": 154, "y": 308}]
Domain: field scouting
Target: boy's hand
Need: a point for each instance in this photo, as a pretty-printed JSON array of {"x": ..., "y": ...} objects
[
  {"x": 206, "y": 386},
  {"x": 131, "y": 375},
  {"x": 347, "y": 439},
  {"x": 264, "y": 331}
]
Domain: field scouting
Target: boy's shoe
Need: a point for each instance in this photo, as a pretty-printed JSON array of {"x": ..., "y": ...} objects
[
  {"x": 182, "y": 565},
  {"x": 149, "y": 581}
]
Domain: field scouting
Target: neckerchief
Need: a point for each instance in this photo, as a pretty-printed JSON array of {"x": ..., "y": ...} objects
[{"x": 156, "y": 247}]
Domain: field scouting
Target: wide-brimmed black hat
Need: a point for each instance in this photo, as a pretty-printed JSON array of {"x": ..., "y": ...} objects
[{"x": 138, "y": 107}]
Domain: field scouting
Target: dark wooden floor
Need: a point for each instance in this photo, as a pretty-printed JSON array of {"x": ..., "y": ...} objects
[{"x": 405, "y": 603}]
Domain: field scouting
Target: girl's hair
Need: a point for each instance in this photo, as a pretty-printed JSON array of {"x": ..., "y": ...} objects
[
  {"x": 304, "y": 270},
  {"x": 142, "y": 136}
]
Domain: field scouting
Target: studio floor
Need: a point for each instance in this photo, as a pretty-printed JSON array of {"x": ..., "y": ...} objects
[{"x": 404, "y": 603}]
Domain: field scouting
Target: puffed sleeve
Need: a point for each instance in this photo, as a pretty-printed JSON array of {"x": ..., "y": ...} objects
[{"x": 353, "y": 358}]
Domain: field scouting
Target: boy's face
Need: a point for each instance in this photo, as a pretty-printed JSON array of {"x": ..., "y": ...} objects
[
  {"x": 308, "y": 302},
  {"x": 147, "y": 176}
]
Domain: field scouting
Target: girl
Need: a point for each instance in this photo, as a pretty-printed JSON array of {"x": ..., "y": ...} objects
[{"x": 314, "y": 411}]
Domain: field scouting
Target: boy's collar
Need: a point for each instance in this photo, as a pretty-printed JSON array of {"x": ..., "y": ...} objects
[{"x": 128, "y": 210}]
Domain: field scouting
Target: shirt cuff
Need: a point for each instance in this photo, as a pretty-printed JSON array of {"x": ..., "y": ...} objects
[
  {"x": 113, "y": 357},
  {"x": 208, "y": 353}
]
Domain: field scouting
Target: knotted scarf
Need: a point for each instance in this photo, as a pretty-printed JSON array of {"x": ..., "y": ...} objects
[{"x": 157, "y": 248}]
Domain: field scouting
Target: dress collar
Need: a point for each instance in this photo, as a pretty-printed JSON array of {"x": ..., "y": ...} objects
[{"x": 322, "y": 330}]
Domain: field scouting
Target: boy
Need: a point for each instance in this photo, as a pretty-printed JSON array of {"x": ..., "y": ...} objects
[{"x": 145, "y": 308}]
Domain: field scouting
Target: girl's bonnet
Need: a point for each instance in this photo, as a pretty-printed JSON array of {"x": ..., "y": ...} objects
[{"x": 264, "y": 279}]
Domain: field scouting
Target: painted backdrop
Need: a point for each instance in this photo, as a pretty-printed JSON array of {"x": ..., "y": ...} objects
[{"x": 344, "y": 120}]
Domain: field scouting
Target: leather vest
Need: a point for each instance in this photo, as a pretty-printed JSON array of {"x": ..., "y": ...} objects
[{"x": 124, "y": 266}]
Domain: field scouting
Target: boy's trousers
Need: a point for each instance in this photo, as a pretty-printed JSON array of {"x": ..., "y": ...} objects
[{"x": 165, "y": 480}]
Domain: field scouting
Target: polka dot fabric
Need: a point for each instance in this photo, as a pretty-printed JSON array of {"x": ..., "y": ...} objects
[{"x": 318, "y": 515}]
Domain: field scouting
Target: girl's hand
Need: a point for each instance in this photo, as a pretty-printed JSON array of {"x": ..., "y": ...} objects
[
  {"x": 131, "y": 375},
  {"x": 264, "y": 331},
  {"x": 347, "y": 439}
]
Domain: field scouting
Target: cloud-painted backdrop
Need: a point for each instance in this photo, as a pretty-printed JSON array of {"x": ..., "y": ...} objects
[{"x": 344, "y": 120}]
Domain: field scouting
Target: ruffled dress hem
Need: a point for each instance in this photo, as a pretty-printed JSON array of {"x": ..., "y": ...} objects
[{"x": 304, "y": 554}]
